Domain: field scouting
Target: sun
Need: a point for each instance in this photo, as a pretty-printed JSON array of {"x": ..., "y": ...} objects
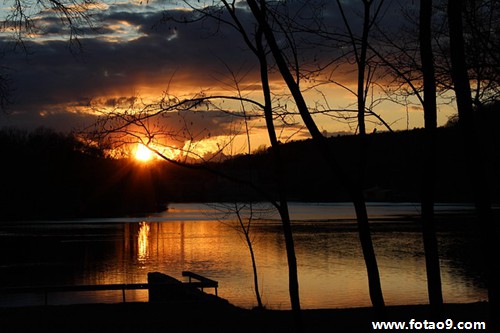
[{"x": 142, "y": 153}]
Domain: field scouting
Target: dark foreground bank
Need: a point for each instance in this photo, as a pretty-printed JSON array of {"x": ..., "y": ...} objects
[{"x": 218, "y": 316}]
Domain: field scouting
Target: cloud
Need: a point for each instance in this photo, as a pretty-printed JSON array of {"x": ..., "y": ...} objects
[
  {"x": 134, "y": 52},
  {"x": 50, "y": 75}
]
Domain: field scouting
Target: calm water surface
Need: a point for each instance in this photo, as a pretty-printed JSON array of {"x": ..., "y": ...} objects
[{"x": 197, "y": 238}]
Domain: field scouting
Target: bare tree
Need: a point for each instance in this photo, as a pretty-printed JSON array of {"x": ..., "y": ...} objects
[
  {"x": 245, "y": 214},
  {"x": 261, "y": 14},
  {"x": 348, "y": 48},
  {"x": 475, "y": 153},
  {"x": 417, "y": 78},
  {"x": 480, "y": 20},
  {"x": 360, "y": 50},
  {"x": 428, "y": 184},
  {"x": 279, "y": 171},
  {"x": 424, "y": 79}
]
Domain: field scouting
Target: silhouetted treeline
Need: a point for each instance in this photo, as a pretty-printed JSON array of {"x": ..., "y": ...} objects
[
  {"x": 49, "y": 175},
  {"x": 45, "y": 174},
  {"x": 394, "y": 165}
]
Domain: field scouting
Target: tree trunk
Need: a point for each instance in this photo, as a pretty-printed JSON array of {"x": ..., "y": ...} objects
[
  {"x": 429, "y": 170},
  {"x": 362, "y": 68},
  {"x": 475, "y": 155},
  {"x": 361, "y": 95},
  {"x": 254, "y": 268},
  {"x": 246, "y": 233},
  {"x": 293, "y": 281}
]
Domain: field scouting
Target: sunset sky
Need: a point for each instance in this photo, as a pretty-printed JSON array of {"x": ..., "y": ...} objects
[{"x": 133, "y": 53}]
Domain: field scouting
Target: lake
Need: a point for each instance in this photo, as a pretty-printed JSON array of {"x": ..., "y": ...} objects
[{"x": 205, "y": 239}]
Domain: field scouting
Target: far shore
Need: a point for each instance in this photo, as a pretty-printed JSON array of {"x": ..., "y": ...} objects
[{"x": 219, "y": 316}]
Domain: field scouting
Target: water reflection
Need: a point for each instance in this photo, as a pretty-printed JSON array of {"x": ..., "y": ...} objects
[
  {"x": 331, "y": 268},
  {"x": 142, "y": 241}
]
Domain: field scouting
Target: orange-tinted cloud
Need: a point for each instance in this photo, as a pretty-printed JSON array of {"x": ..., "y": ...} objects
[{"x": 134, "y": 52}]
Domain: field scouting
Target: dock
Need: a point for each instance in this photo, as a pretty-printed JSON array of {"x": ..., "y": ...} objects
[{"x": 161, "y": 287}]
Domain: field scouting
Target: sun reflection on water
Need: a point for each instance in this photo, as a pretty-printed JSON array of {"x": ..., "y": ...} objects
[{"x": 142, "y": 241}]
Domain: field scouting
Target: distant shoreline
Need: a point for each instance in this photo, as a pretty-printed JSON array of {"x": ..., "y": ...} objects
[{"x": 461, "y": 210}]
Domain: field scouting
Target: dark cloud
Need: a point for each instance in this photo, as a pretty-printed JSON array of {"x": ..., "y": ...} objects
[
  {"x": 51, "y": 76},
  {"x": 60, "y": 120},
  {"x": 132, "y": 51}
]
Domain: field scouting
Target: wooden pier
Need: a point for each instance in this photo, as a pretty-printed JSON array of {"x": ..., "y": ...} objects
[{"x": 202, "y": 283}]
